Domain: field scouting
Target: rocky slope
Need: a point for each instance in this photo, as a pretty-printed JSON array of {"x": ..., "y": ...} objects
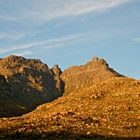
[
  {"x": 25, "y": 84},
  {"x": 105, "y": 110},
  {"x": 98, "y": 103},
  {"x": 94, "y": 71}
]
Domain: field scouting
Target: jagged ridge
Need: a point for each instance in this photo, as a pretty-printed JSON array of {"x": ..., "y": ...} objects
[
  {"x": 25, "y": 84},
  {"x": 96, "y": 70},
  {"x": 98, "y": 101}
]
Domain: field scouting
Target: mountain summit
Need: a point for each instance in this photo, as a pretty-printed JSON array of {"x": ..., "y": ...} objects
[
  {"x": 96, "y": 70},
  {"x": 25, "y": 84},
  {"x": 28, "y": 83}
]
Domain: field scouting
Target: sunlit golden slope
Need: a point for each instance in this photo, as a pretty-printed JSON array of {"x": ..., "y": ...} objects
[{"x": 110, "y": 108}]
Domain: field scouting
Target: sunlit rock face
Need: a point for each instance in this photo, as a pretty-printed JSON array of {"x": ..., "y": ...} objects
[{"x": 77, "y": 77}]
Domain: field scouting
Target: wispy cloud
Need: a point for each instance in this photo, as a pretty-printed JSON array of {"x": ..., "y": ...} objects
[
  {"x": 51, "y": 43},
  {"x": 24, "y": 53},
  {"x": 27, "y": 48},
  {"x": 137, "y": 39},
  {"x": 45, "y": 10},
  {"x": 15, "y": 48},
  {"x": 11, "y": 35}
]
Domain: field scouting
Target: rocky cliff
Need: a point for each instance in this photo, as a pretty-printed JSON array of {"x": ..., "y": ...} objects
[
  {"x": 25, "y": 84},
  {"x": 98, "y": 103},
  {"x": 96, "y": 70},
  {"x": 28, "y": 83}
]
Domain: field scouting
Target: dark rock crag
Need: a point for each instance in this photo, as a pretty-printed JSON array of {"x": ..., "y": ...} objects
[{"x": 25, "y": 84}]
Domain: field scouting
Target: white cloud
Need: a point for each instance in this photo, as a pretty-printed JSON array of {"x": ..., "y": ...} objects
[{"x": 45, "y": 10}]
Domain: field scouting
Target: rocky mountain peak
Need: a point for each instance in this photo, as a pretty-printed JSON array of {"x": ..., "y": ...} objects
[
  {"x": 27, "y": 84},
  {"x": 56, "y": 70},
  {"x": 98, "y": 62},
  {"x": 14, "y": 58},
  {"x": 98, "y": 102},
  {"x": 16, "y": 64},
  {"x": 94, "y": 71},
  {"x": 94, "y": 59}
]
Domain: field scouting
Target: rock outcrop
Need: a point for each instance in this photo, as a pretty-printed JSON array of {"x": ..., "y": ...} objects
[
  {"x": 59, "y": 82},
  {"x": 25, "y": 84},
  {"x": 96, "y": 70}
]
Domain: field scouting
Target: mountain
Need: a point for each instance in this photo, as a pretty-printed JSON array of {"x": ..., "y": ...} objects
[
  {"x": 105, "y": 110},
  {"x": 87, "y": 101},
  {"x": 96, "y": 70},
  {"x": 25, "y": 84},
  {"x": 28, "y": 83}
]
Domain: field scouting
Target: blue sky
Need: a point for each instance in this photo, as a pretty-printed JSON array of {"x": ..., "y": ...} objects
[{"x": 71, "y": 32}]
